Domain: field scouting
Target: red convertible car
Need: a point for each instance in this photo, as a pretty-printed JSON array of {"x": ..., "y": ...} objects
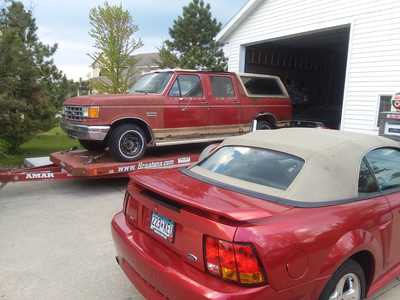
[{"x": 299, "y": 214}]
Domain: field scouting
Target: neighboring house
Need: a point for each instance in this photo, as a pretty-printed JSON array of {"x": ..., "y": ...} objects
[
  {"x": 340, "y": 58},
  {"x": 145, "y": 62}
]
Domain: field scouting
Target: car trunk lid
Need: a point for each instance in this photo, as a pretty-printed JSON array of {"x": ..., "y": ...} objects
[
  {"x": 201, "y": 197},
  {"x": 196, "y": 209}
]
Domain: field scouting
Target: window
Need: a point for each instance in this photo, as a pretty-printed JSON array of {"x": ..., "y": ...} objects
[
  {"x": 262, "y": 86},
  {"x": 366, "y": 182},
  {"x": 260, "y": 166},
  {"x": 385, "y": 163},
  {"x": 153, "y": 83},
  {"x": 385, "y": 105},
  {"x": 222, "y": 87},
  {"x": 187, "y": 86}
]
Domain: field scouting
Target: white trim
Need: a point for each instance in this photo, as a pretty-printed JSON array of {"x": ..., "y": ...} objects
[
  {"x": 242, "y": 59},
  {"x": 347, "y": 76},
  {"x": 235, "y": 21},
  {"x": 192, "y": 141},
  {"x": 322, "y": 27}
]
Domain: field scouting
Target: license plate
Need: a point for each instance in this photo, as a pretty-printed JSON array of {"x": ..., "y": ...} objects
[{"x": 162, "y": 226}]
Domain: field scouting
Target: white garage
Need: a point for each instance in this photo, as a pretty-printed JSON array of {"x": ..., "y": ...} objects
[{"x": 340, "y": 59}]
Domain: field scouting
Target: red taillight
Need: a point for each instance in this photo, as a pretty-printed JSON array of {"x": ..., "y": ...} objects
[
  {"x": 248, "y": 266},
  {"x": 236, "y": 262},
  {"x": 131, "y": 209},
  {"x": 227, "y": 261}
]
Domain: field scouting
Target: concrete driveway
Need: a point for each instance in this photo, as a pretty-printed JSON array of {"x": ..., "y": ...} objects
[{"x": 55, "y": 242}]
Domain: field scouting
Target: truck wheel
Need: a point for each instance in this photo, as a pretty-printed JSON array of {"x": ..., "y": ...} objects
[
  {"x": 264, "y": 125},
  {"x": 127, "y": 143},
  {"x": 348, "y": 282},
  {"x": 93, "y": 145}
]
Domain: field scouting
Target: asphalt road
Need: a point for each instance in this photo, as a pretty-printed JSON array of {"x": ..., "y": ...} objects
[{"x": 55, "y": 242}]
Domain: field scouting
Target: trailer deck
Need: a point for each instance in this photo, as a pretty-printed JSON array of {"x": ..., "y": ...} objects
[{"x": 82, "y": 164}]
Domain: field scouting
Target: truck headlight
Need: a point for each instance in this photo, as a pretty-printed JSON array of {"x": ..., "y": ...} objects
[{"x": 92, "y": 112}]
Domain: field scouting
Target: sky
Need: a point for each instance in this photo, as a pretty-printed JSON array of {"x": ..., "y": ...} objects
[{"x": 65, "y": 22}]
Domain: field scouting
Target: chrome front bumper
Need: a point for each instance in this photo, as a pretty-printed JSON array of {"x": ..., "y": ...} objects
[{"x": 84, "y": 132}]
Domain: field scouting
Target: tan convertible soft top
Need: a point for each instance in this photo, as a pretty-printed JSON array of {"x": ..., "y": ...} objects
[{"x": 332, "y": 162}]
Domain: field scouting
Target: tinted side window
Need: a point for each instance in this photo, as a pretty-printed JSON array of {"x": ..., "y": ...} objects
[
  {"x": 222, "y": 87},
  {"x": 258, "y": 86},
  {"x": 366, "y": 182},
  {"x": 385, "y": 163},
  {"x": 187, "y": 86}
]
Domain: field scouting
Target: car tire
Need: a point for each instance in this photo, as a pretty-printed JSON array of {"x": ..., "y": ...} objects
[
  {"x": 350, "y": 278},
  {"x": 93, "y": 145},
  {"x": 127, "y": 143},
  {"x": 264, "y": 125}
]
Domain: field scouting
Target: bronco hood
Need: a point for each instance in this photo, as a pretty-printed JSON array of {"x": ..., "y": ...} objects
[{"x": 115, "y": 100}]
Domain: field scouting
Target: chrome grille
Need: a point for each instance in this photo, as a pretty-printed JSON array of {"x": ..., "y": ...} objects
[{"x": 73, "y": 113}]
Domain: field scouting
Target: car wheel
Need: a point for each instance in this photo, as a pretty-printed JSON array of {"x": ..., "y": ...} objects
[
  {"x": 127, "y": 143},
  {"x": 348, "y": 283},
  {"x": 93, "y": 145},
  {"x": 264, "y": 125}
]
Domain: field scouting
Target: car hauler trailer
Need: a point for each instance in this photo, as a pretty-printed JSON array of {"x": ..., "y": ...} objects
[{"x": 81, "y": 164}]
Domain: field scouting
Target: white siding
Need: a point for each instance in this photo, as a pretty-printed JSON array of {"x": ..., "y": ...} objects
[{"x": 374, "y": 52}]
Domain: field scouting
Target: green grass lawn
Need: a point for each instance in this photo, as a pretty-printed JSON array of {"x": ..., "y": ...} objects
[{"x": 41, "y": 145}]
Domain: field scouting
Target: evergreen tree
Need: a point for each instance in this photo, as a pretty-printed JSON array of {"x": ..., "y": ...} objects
[
  {"x": 30, "y": 84},
  {"x": 113, "y": 29},
  {"x": 192, "y": 44}
]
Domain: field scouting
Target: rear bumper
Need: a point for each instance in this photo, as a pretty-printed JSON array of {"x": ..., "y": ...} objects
[
  {"x": 159, "y": 273},
  {"x": 84, "y": 132}
]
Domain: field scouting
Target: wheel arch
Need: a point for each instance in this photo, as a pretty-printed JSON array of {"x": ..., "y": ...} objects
[
  {"x": 360, "y": 246},
  {"x": 137, "y": 121},
  {"x": 367, "y": 262},
  {"x": 270, "y": 117}
]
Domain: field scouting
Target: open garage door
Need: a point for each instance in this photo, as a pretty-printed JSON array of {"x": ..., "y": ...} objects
[{"x": 313, "y": 68}]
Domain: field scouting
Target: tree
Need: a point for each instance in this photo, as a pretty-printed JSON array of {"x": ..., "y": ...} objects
[
  {"x": 113, "y": 30},
  {"x": 192, "y": 44},
  {"x": 30, "y": 83}
]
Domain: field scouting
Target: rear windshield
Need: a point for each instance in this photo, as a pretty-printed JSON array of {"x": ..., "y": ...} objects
[
  {"x": 261, "y": 166},
  {"x": 153, "y": 83},
  {"x": 262, "y": 86}
]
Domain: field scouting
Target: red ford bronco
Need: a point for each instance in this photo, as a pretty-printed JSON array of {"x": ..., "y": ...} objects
[{"x": 172, "y": 107}]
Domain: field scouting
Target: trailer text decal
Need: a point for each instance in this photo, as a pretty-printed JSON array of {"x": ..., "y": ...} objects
[
  {"x": 153, "y": 165},
  {"x": 48, "y": 175},
  {"x": 184, "y": 160}
]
